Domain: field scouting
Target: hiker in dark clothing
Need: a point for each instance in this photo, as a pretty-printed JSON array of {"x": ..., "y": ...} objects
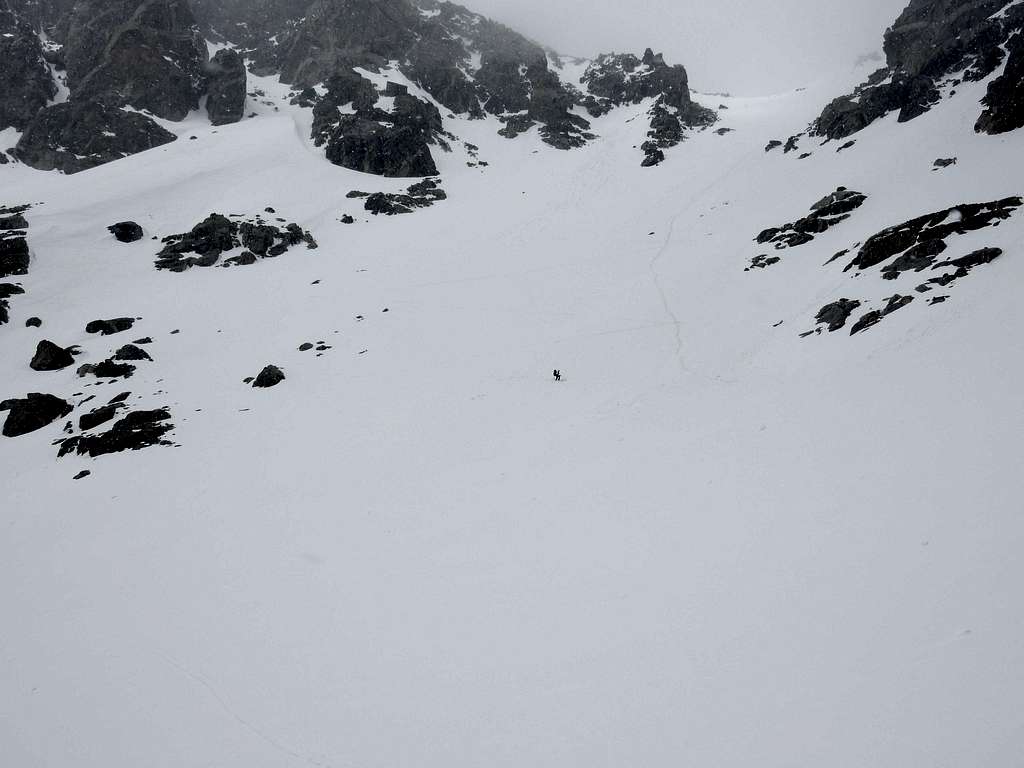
[{"x": 558, "y": 375}]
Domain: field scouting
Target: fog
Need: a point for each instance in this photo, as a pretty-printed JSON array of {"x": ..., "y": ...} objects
[{"x": 742, "y": 46}]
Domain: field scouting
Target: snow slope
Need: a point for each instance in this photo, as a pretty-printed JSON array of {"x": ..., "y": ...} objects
[{"x": 714, "y": 543}]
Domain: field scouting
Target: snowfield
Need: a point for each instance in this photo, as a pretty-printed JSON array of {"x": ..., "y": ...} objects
[{"x": 714, "y": 543}]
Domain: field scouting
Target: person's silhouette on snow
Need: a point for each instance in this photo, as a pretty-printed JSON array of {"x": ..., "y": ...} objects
[{"x": 558, "y": 375}]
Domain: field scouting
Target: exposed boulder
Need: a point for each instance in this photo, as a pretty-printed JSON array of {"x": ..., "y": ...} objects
[
  {"x": 51, "y": 357},
  {"x": 107, "y": 369},
  {"x": 25, "y": 82},
  {"x": 132, "y": 353},
  {"x": 32, "y": 412},
  {"x": 73, "y": 137},
  {"x": 225, "y": 82},
  {"x": 126, "y": 231},
  {"x": 270, "y": 376},
  {"x": 110, "y": 327}
]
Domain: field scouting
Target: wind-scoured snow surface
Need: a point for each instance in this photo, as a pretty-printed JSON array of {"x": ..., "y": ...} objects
[{"x": 714, "y": 543}]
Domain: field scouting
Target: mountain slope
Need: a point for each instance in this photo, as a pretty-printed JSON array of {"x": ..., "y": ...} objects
[{"x": 714, "y": 541}]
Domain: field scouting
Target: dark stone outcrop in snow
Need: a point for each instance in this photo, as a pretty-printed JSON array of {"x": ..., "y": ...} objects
[
  {"x": 270, "y": 376},
  {"x": 107, "y": 369},
  {"x": 126, "y": 231},
  {"x": 110, "y": 327},
  {"x": 825, "y": 214},
  {"x": 73, "y": 137},
  {"x": 14, "y": 254},
  {"x": 51, "y": 357},
  {"x": 875, "y": 316},
  {"x": 421, "y": 195},
  {"x": 137, "y": 430},
  {"x": 225, "y": 83},
  {"x": 218, "y": 234},
  {"x": 395, "y": 144},
  {"x": 933, "y": 227},
  {"x": 32, "y": 412},
  {"x": 6, "y": 291},
  {"x": 25, "y": 82},
  {"x": 98, "y": 416},
  {"x": 132, "y": 353},
  {"x": 617, "y": 79},
  {"x": 836, "y": 314},
  {"x": 935, "y": 43}
]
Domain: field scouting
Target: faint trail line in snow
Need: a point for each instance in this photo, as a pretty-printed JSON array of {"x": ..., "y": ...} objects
[
  {"x": 272, "y": 742},
  {"x": 656, "y": 276},
  {"x": 656, "y": 279}
]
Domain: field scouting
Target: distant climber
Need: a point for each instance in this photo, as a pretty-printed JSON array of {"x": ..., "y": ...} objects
[{"x": 557, "y": 374}]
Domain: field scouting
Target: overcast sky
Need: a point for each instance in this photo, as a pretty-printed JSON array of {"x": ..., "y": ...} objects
[{"x": 746, "y": 47}]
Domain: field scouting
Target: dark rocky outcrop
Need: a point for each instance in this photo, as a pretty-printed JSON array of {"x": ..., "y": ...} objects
[
  {"x": 51, "y": 357},
  {"x": 132, "y": 353},
  {"x": 936, "y": 226},
  {"x": 25, "y": 82},
  {"x": 73, "y": 137},
  {"x": 371, "y": 140},
  {"x": 32, "y": 412},
  {"x": 617, "y": 79},
  {"x": 14, "y": 254},
  {"x": 225, "y": 83},
  {"x": 270, "y": 376},
  {"x": 137, "y": 430},
  {"x": 107, "y": 369},
  {"x": 218, "y": 234},
  {"x": 836, "y": 314},
  {"x": 963, "y": 267},
  {"x": 931, "y": 44},
  {"x": 110, "y": 327},
  {"x": 98, "y": 416},
  {"x": 875, "y": 316},
  {"x": 1004, "y": 102},
  {"x": 825, "y": 214},
  {"x": 421, "y": 195},
  {"x": 126, "y": 231},
  {"x": 144, "y": 53},
  {"x": 6, "y": 291}
]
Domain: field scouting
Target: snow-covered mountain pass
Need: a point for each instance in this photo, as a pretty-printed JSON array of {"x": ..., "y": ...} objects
[{"x": 715, "y": 542}]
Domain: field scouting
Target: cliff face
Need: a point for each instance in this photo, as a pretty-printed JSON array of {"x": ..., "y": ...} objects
[
  {"x": 936, "y": 44},
  {"x": 25, "y": 82},
  {"x": 144, "y": 53},
  {"x": 150, "y": 55}
]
